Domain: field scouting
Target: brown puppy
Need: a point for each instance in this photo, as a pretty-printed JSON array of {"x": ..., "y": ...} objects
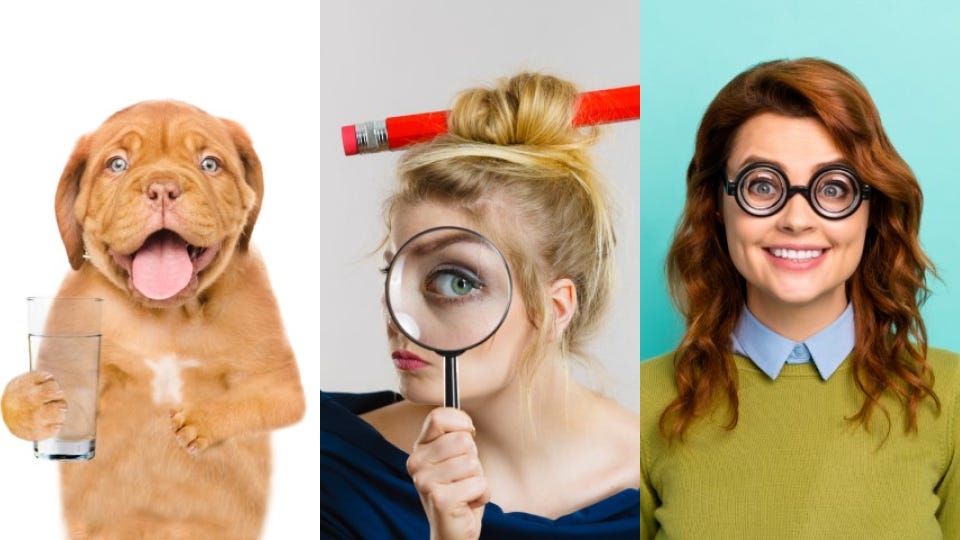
[{"x": 155, "y": 209}]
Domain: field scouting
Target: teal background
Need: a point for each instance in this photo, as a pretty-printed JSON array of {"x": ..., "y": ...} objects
[{"x": 907, "y": 54}]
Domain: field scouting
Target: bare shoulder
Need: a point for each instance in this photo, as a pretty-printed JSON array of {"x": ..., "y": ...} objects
[
  {"x": 399, "y": 423},
  {"x": 607, "y": 447},
  {"x": 622, "y": 426},
  {"x": 602, "y": 458}
]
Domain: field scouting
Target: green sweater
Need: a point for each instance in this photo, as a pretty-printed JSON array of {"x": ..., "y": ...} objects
[{"x": 795, "y": 468}]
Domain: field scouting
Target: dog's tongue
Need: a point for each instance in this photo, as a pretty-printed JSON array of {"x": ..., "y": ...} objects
[{"x": 162, "y": 267}]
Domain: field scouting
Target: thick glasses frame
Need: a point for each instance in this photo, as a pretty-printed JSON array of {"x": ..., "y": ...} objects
[{"x": 734, "y": 188}]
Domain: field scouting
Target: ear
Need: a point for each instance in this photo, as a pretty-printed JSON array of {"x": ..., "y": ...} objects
[
  {"x": 563, "y": 300},
  {"x": 253, "y": 174},
  {"x": 68, "y": 221}
]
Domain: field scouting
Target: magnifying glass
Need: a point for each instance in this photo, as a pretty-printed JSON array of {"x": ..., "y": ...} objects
[{"x": 448, "y": 290}]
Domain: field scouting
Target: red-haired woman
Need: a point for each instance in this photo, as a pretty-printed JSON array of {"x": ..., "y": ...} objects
[{"x": 802, "y": 401}]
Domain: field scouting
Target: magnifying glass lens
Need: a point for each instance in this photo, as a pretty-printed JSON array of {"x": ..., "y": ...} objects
[{"x": 448, "y": 289}]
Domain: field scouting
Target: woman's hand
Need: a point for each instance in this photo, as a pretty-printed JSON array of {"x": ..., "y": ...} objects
[{"x": 446, "y": 471}]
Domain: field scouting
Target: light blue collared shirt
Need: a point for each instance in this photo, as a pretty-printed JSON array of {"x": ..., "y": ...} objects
[{"x": 769, "y": 351}]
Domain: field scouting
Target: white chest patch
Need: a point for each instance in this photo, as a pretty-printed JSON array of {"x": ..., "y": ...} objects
[{"x": 167, "y": 383}]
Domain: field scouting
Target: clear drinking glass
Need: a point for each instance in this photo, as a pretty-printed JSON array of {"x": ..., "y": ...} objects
[{"x": 64, "y": 339}]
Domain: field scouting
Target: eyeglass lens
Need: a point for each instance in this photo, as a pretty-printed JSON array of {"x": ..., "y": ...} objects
[{"x": 832, "y": 191}]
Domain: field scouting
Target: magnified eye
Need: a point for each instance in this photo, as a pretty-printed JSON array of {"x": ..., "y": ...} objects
[
  {"x": 762, "y": 188},
  {"x": 117, "y": 164},
  {"x": 835, "y": 190},
  {"x": 835, "y": 186},
  {"x": 210, "y": 164},
  {"x": 452, "y": 283}
]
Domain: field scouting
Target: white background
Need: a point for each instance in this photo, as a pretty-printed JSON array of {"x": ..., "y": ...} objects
[{"x": 292, "y": 73}]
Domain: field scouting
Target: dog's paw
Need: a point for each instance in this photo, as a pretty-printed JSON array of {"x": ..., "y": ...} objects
[
  {"x": 33, "y": 406},
  {"x": 190, "y": 430}
]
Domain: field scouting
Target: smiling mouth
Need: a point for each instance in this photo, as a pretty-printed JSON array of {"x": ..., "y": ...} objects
[
  {"x": 165, "y": 265},
  {"x": 796, "y": 255}
]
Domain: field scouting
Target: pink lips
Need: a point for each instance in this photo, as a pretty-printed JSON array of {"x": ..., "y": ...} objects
[
  {"x": 795, "y": 264},
  {"x": 407, "y": 361}
]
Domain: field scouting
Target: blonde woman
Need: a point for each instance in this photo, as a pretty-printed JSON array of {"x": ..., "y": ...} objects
[{"x": 531, "y": 453}]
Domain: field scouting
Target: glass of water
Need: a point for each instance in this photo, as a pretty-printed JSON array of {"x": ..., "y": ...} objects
[{"x": 64, "y": 336}]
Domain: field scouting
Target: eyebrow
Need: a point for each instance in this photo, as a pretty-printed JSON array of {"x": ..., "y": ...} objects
[
  {"x": 421, "y": 248},
  {"x": 457, "y": 237},
  {"x": 817, "y": 166}
]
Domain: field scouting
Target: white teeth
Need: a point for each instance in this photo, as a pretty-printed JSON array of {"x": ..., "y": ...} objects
[{"x": 796, "y": 254}]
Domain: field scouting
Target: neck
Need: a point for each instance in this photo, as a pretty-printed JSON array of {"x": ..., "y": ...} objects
[
  {"x": 797, "y": 322},
  {"x": 518, "y": 434}
]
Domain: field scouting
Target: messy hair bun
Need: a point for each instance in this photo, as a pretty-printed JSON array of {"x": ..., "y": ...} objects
[
  {"x": 529, "y": 109},
  {"x": 513, "y": 160}
]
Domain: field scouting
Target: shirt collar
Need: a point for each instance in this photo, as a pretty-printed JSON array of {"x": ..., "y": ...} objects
[{"x": 769, "y": 351}]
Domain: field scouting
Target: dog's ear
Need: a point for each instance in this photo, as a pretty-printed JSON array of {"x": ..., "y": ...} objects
[
  {"x": 253, "y": 173},
  {"x": 67, "y": 190}
]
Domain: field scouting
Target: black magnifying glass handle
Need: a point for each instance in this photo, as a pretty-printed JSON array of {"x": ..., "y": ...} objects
[{"x": 451, "y": 393}]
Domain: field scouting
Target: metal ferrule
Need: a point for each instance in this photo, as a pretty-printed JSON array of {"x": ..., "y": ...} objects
[{"x": 371, "y": 136}]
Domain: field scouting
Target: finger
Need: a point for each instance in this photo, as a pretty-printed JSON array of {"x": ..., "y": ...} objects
[
  {"x": 444, "y": 420},
  {"x": 484, "y": 489},
  {"x": 444, "y": 447},
  {"x": 447, "y": 499},
  {"x": 447, "y": 472}
]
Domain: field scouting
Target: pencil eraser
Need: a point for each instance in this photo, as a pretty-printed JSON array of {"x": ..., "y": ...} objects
[{"x": 349, "y": 136}]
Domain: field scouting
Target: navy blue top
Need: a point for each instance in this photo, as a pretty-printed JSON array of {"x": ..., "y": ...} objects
[{"x": 365, "y": 491}]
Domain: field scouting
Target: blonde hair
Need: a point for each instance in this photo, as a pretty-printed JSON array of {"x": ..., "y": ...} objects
[{"x": 512, "y": 149}]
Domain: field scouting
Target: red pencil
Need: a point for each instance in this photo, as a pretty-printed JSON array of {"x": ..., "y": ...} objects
[{"x": 596, "y": 107}]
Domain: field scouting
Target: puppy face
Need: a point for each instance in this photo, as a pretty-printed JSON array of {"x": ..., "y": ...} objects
[{"x": 159, "y": 199}]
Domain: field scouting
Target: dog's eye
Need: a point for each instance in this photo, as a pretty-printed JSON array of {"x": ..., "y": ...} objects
[
  {"x": 117, "y": 164},
  {"x": 210, "y": 164}
]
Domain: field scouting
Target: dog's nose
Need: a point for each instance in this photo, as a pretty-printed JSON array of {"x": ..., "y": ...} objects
[{"x": 161, "y": 191}]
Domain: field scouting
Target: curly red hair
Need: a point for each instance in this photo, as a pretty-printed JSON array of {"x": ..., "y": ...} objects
[{"x": 887, "y": 289}]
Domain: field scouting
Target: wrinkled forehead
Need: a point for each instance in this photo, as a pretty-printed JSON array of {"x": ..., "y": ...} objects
[{"x": 163, "y": 126}]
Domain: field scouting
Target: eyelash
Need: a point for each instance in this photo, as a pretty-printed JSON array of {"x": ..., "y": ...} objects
[{"x": 456, "y": 271}]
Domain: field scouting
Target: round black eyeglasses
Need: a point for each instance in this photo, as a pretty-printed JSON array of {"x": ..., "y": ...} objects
[{"x": 762, "y": 189}]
